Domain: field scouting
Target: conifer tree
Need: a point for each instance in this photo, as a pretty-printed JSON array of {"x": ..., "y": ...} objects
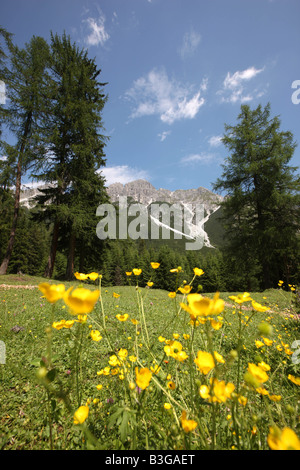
[
  {"x": 261, "y": 210},
  {"x": 75, "y": 147},
  {"x": 24, "y": 88}
]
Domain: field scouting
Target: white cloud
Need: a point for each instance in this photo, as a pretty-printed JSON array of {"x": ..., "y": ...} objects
[
  {"x": 156, "y": 94},
  {"x": 198, "y": 158},
  {"x": 164, "y": 135},
  {"x": 123, "y": 174},
  {"x": 215, "y": 141},
  {"x": 190, "y": 42},
  {"x": 234, "y": 86},
  {"x": 98, "y": 34}
]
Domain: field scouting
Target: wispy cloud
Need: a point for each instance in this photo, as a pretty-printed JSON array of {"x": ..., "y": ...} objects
[
  {"x": 215, "y": 141},
  {"x": 164, "y": 135},
  {"x": 123, "y": 174},
  {"x": 98, "y": 34},
  {"x": 190, "y": 42},
  {"x": 204, "y": 158},
  {"x": 156, "y": 94},
  {"x": 234, "y": 86}
]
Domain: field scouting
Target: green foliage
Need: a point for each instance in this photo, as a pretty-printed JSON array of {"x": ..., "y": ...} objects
[{"x": 261, "y": 210}]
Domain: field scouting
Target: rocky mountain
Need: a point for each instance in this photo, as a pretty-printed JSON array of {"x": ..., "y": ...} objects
[
  {"x": 189, "y": 199},
  {"x": 143, "y": 192}
]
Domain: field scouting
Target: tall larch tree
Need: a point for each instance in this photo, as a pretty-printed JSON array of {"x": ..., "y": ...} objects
[{"x": 261, "y": 208}]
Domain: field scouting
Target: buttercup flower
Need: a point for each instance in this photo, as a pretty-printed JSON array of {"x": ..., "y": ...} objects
[
  {"x": 258, "y": 373},
  {"x": 136, "y": 272},
  {"x": 122, "y": 317},
  {"x": 285, "y": 439},
  {"x": 295, "y": 380},
  {"x": 81, "y": 300},
  {"x": 95, "y": 335},
  {"x": 241, "y": 298},
  {"x": 143, "y": 377},
  {"x": 52, "y": 292},
  {"x": 174, "y": 349},
  {"x": 203, "y": 306},
  {"x": 205, "y": 362},
  {"x": 81, "y": 414},
  {"x": 188, "y": 425},
  {"x": 93, "y": 276},
  {"x": 172, "y": 295},
  {"x": 198, "y": 272},
  {"x": 155, "y": 265},
  {"x": 258, "y": 307},
  {"x": 58, "y": 325},
  {"x": 81, "y": 276}
]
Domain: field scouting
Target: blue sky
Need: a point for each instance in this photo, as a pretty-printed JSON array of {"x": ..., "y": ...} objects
[{"x": 177, "y": 71}]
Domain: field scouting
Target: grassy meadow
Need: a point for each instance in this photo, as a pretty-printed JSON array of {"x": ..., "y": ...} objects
[{"x": 146, "y": 370}]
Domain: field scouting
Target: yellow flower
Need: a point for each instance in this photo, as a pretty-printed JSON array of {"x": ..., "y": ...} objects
[
  {"x": 171, "y": 385},
  {"x": 185, "y": 290},
  {"x": 258, "y": 307},
  {"x": 161, "y": 339},
  {"x": 93, "y": 276},
  {"x": 219, "y": 357},
  {"x": 222, "y": 391},
  {"x": 295, "y": 380},
  {"x": 143, "y": 377},
  {"x": 264, "y": 366},
  {"x": 58, "y": 325},
  {"x": 80, "y": 276},
  {"x": 258, "y": 373},
  {"x": 99, "y": 387},
  {"x": 242, "y": 400},
  {"x": 128, "y": 273},
  {"x": 155, "y": 265},
  {"x": 114, "y": 361},
  {"x": 172, "y": 295},
  {"x": 275, "y": 397},
  {"x": 155, "y": 369},
  {"x": 81, "y": 318},
  {"x": 149, "y": 283},
  {"x": 240, "y": 298},
  {"x": 81, "y": 300},
  {"x": 121, "y": 317},
  {"x": 285, "y": 439},
  {"x": 188, "y": 425},
  {"x": 167, "y": 406},
  {"x": 216, "y": 325},
  {"x": 174, "y": 349},
  {"x": 203, "y": 306},
  {"x": 259, "y": 344},
  {"x": 81, "y": 414},
  {"x": 132, "y": 358},
  {"x": 198, "y": 272},
  {"x": 267, "y": 341},
  {"x": 205, "y": 362},
  {"x": 95, "y": 335},
  {"x": 52, "y": 292},
  {"x": 123, "y": 353},
  {"x": 136, "y": 271},
  {"x": 115, "y": 295}
]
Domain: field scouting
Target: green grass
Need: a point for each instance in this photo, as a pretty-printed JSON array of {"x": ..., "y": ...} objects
[{"x": 26, "y": 403}]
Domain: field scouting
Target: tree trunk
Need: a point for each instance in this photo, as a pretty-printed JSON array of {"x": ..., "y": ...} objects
[
  {"x": 5, "y": 262},
  {"x": 71, "y": 256},
  {"x": 51, "y": 260}
]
